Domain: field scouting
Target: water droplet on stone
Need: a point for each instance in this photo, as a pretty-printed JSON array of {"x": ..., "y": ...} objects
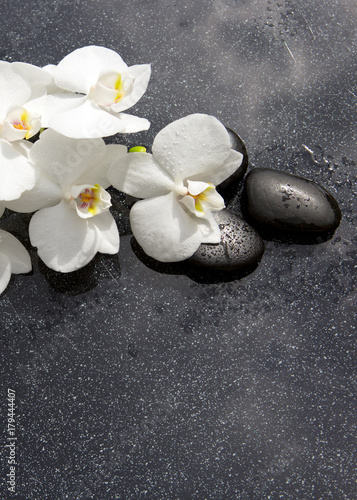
[{"x": 240, "y": 247}]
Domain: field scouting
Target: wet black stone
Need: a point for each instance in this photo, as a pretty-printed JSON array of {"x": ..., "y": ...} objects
[
  {"x": 240, "y": 246},
  {"x": 287, "y": 202}
]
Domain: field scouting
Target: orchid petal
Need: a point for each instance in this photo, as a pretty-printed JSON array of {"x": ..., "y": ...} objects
[
  {"x": 15, "y": 251},
  {"x": 195, "y": 188},
  {"x": 222, "y": 171},
  {"x": 195, "y": 144},
  {"x": 81, "y": 69},
  {"x": 211, "y": 200},
  {"x": 23, "y": 147},
  {"x": 16, "y": 173},
  {"x": 51, "y": 105},
  {"x": 49, "y": 68},
  {"x": 52, "y": 88},
  {"x": 5, "y": 271},
  {"x": 65, "y": 160},
  {"x": 14, "y": 91},
  {"x": 189, "y": 203},
  {"x": 139, "y": 175},
  {"x": 209, "y": 229},
  {"x": 130, "y": 124},
  {"x": 65, "y": 242},
  {"x": 107, "y": 232},
  {"x": 45, "y": 193},
  {"x": 36, "y": 77},
  {"x": 32, "y": 74},
  {"x": 98, "y": 173},
  {"x": 163, "y": 228},
  {"x": 140, "y": 74},
  {"x": 91, "y": 121}
]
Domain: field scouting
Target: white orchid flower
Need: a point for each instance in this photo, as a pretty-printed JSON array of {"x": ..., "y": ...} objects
[
  {"x": 96, "y": 86},
  {"x": 73, "y": 221},
  {"x": 14, "y": 258},
  {"x": 18, "y": 82},
  {"x": 189, "y": 158}
]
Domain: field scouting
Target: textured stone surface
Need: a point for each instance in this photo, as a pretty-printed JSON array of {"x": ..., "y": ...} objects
[
  {"x": 286, "y": 201},
  {"x": 241, "y": 390},
  {"x": 240, "y": 246}
]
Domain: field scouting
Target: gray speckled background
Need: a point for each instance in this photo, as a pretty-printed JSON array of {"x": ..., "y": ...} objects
[{"x": 136, "y": 381}]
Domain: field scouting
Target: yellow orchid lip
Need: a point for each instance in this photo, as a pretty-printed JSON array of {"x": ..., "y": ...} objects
[
  {"x": 20, "y": 124},
  {"x": 90, "y": 200},
  {"x": 111, "y": 88},
  {"x": 202, "y": 197},
  {"x": 119, "y": 87}
]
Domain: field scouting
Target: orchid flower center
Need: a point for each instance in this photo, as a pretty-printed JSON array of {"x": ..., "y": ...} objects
[
  {"x": 20, "y": 124},
  {"x": 89, "y": 200},
  {"x": 111, "y": 88},
  {"x": 201, "y": 197},
  {"x": 119, "y": 87}
]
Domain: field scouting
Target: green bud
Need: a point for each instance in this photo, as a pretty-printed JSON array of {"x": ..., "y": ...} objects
[{"x": 137, "y": 149}]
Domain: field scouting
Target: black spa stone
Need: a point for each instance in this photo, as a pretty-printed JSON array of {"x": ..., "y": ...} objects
[
  {"x": 285, "y": 201},
  {"x": 240, "y": 246}
]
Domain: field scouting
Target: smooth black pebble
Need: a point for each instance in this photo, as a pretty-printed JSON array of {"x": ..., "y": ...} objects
[
  {"x": 288, "y": 202},
  {"x": 240, "y": 246}
]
